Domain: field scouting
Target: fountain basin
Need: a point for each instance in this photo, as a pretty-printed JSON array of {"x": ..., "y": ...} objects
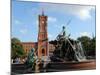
[{"x": 66, "y": 66}]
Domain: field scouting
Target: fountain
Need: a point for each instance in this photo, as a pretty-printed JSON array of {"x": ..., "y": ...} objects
[
  {"x": 80, "y": 53},
  {"x": 68, "y": 49},
  {"x": 69, "y": 54}
]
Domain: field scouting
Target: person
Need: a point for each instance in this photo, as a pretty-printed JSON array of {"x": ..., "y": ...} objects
[{"x": 17, "y": 60}]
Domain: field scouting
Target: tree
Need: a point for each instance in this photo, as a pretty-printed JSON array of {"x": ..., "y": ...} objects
[
  {"x": 88, "y": 45},
  {"x": 16, "y": 48},
  {"x": 93, "y": 47}
]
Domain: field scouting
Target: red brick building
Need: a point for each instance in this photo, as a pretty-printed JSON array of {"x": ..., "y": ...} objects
[
  {"x": 42, "y": 46},
  {"x": 29, "y": 45}
]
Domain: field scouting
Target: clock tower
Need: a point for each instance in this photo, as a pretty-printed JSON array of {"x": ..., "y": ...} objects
[{"x": 42, "y": 36}]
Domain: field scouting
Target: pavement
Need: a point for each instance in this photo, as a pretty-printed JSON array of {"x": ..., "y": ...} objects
[{"x": 55, "y": 67}]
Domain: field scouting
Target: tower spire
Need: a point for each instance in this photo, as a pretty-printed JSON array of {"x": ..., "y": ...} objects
[{"x": 42, "y": 12}]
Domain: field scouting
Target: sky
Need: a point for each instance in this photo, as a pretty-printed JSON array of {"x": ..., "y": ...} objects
[{"x": 24, "y": 24}]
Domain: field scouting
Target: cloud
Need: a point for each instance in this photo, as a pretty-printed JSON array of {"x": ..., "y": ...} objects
[
  {"x": 37, "y": 22},
  {"x": 52, "y": 19},
  {"x": 17, "y": 22},
  {"x": 50, "y": 36},
  {"x": 85, "y": 34},
  {"x": 80, "y": 34},
  {"x": 80, "y": 11},
  {"x": 23, "y": 31}
]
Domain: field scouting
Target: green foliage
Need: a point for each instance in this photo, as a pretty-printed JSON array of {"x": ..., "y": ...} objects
[
  {"x": 89, "y": 44},
  {"x": 86, "y": 41},
  {"x": 16, "y": 48},
  {"x": 93, "y": 46}
]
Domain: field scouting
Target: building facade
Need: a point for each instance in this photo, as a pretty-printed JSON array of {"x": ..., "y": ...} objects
[{"x": 27, "y": 46}]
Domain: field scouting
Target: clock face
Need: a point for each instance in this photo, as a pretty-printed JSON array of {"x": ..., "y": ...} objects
[{"x": 42, "y": 21}]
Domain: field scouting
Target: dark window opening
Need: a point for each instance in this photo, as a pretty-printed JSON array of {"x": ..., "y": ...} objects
[{"x": 43, "y": 52}]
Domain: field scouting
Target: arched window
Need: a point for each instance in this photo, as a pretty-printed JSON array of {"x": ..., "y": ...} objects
[
  {"x": 26, "y": 50},
  {"x": 43, "y": 51}
]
